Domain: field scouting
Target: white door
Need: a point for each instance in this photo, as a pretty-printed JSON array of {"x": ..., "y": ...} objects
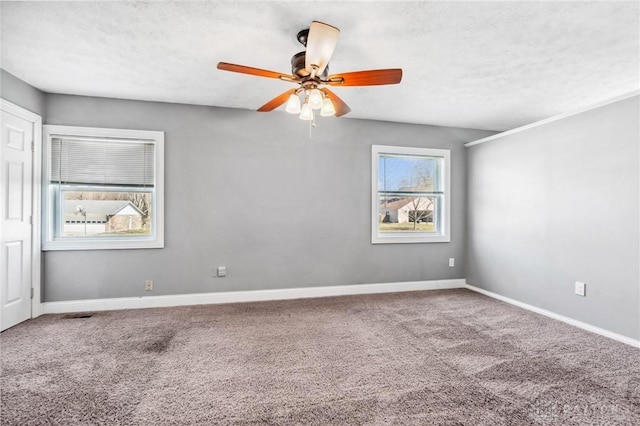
[{"x": 16, "y": 164}]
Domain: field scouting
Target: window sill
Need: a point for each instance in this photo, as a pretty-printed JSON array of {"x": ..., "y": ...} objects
[
  {"x": 62, "y": 245},
  {"x": 409, "y": 239}
]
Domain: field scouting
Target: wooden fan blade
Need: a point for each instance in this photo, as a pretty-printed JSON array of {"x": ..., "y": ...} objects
[
  {"x": 338, "y": 104},
  {"x": 225, "y": 66},
  {"x": 321, "y": 42},
  {"x": 277, "y": 101},
  {"x": 366, "y": 78}
]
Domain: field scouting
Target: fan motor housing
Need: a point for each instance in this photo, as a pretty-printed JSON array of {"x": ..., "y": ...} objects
[{"x": 298, "y": 63}]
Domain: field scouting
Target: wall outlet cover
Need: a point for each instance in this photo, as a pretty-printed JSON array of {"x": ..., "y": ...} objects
[{"x": 580, "y": 288}]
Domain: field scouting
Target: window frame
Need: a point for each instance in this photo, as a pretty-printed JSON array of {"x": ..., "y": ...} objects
[
  {"x": 49, "y": 240},
  {"x": 444, "y": 236}
]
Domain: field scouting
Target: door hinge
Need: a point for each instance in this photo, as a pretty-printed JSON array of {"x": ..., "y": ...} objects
[
  {"x": 30, "y": 220},
  {"x": 32, "y": 292},
  {"x": 33, "y": 146}
]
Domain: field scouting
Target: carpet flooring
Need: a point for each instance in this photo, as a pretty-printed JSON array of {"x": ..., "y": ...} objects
[{"x": 445, "y": 357}]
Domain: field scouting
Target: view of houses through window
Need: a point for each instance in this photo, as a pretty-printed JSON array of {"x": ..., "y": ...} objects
[
  {"x": 99, "y": 213},
  {"x": 399, "y": 213},
  {"x": 408, "y": 199}
]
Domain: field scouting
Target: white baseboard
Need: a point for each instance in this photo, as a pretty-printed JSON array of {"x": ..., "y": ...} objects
[
  {"x": 576, "y": 323},
  {"x": 243, "y": 296},
  {"x": 304, "y": 293}
]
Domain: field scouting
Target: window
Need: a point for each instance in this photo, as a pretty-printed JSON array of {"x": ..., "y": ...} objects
[
  {"x": 410, "y": 195},
  {"x": 102, "y": 188}
]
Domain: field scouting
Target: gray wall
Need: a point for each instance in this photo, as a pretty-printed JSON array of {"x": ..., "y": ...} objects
[
  {"x": 557, "y": 204},
  {"x": 22, "y": 94},
  {"x": 252, "y": 192}
]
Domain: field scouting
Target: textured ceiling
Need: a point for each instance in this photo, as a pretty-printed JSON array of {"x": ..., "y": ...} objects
[{"x": 486, "y": 65}]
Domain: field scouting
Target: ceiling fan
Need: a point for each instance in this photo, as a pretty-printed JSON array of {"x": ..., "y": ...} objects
[{"x": 309, "y": 69}]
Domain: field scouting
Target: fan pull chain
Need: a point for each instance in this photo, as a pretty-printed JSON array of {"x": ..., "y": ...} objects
[{"x": 312, "y": 122}]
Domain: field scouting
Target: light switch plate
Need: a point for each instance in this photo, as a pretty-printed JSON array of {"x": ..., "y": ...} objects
[{"x": 581, "y": 288}]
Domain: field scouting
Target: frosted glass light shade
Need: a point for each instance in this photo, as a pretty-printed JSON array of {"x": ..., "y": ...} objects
[
  {"x": 315, "y": 99},
  {"x": 293, "y": 104},
  {"x": 327, "y": 108},
  {"x": 306, "y": 113}
]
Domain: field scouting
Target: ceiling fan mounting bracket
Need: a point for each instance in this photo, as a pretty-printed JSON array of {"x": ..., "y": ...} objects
[{"x": 302, "y": 36}]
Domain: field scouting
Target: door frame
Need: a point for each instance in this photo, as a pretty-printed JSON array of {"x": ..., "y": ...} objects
[{"x": 36, "y": 197}]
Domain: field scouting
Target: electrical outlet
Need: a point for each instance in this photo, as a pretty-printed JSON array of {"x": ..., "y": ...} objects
[
  {"x": 148, "y": 285},
  {"x": 222, "y": 271},
  {"x": 452, "y": 262},
  {"x": 581, "y": 288}
]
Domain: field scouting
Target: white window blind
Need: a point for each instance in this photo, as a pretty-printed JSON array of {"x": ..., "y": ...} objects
[{"x": 102, "y": 162}]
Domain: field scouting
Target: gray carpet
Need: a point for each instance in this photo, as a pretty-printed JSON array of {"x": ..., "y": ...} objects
[{"x": 447, "y": 357}]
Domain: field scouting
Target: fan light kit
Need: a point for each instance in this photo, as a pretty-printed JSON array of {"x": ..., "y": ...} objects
[{"x": 309, "y": 69}]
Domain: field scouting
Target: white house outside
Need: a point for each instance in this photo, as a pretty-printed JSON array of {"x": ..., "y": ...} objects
[
  {"x": 407, "y": 209},
  {"x": 94, "y": 217}
]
